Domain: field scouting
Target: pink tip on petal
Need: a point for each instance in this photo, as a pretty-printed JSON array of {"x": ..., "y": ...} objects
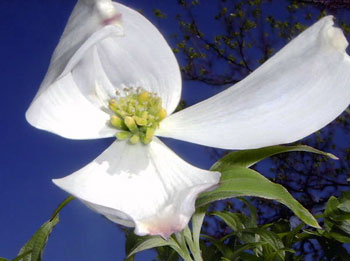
[
  {"x": 114, "y": 19},
  {"x": 163, "y": 226}
]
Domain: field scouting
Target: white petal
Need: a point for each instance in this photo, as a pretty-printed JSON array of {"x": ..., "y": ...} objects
[
  {"x": 63, "y": 110},
  {"x": 60, "y": 105},
  {"x": 102, "y": 59},
  {"x": 298, "y": 91},
  {"x": 85, "y": 20},
  {"x": 148, "y": 187}
]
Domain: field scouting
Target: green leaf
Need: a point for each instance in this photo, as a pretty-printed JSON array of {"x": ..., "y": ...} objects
[
  {"x": 241, "y": 181},
  {"x": 34, "y": 248},
  {"x": 291, "y": 237},
  {"x": 344, "y": 201},
  {"x": 210, "y": 252},
  {"x": 181, "y": 242},
  {"x": 224, "y": 249},
  {"x": 195, "y": 250},
  {"x": 249, "y": 257},
  {"x": 265, "y": 243},
  {"x": 271, "y": 239},
  {"x": 130, "y": 241},
  {"x": 237, "y": 222},
  {"x": 339, "y": 235},
  {"x": 167, "y": 254},
  {"x": 197, "y": 221},
  {"x": 345, "y": 206},
  {"x": 253, "y": 213},
  {"x": 247, "y": 158},
  {"x": 337, "y": 221},
  {"x": 38, "y": 242},
  {"x": 148, "y": 242},
  {"x": 23, "y": 255},
  {"x": 3, "y": 259},
  {"x": 242, "y": 248},
  {"x": 234, "y": 220}
]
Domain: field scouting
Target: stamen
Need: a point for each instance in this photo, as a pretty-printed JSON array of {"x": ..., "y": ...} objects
[
  {"x": 131, "y": 124},
  {"x": 137, "y": 115},
  {"x": 123, "y": 135},
  {"x": 118, "y": 123}
]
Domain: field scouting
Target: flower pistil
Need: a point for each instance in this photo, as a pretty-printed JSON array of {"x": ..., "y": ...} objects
[{"x": 137, "y": 115}]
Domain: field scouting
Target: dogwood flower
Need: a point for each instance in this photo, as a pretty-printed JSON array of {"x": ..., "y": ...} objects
[{"x": 113, "y": 73}]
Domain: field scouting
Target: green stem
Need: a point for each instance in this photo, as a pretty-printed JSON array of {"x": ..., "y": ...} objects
[
  {"x": 197, "y": 222},
  {"x": 180, "y": 238},
  {"x": 60, "y": 206},
  {"x": 196, "y": 252}
]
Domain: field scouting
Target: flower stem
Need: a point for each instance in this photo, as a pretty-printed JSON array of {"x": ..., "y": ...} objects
[
  {"x": 60, "y": 206},
  {"x": 185, "y": 254}
]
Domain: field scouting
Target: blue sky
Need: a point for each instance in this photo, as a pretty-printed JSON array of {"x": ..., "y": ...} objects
[{"x": 30, "y": 158}]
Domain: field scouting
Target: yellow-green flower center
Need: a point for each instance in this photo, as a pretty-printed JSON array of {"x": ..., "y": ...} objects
[{"x": 137, "y": 115}]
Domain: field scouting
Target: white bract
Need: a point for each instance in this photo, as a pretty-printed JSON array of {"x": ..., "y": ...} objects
[{"x": 107, "y": 47}]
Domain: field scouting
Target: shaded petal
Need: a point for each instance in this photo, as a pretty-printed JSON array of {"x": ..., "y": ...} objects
[
  {"x": 86, "y": 19},
  {"x": 298, "y": 91},
  {"x": 148, "y": 187},
  {"x": 63, "y": 110},
  {"x": 141, "y": 59},
  {"x": 102, "y": 58},
  {"x": 60, "y": 106}
]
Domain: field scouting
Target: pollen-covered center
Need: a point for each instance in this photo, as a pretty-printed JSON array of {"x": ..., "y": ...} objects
[{"x": 137, "y": 115}]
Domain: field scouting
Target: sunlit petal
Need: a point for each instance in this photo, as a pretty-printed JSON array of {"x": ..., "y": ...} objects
[
  {"x": 298, "y": 91},
  {"x": 148, "y": 187}
]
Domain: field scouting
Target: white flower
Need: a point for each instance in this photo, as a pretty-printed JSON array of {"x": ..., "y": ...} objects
[{"x": 107, "y": 47}]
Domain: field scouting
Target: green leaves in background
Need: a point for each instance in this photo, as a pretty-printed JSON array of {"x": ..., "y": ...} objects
[
  {"x": 274, "y": 241},
  {"x": 337, "y": 218},
  {"x": 263, "y": 242}
]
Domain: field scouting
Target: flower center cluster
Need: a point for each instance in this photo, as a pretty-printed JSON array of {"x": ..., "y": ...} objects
[{"x": 137, "y": 115}]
